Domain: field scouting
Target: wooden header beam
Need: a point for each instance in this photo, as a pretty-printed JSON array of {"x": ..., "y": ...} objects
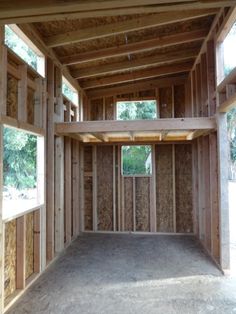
[
  {"x": 125, "y": 26},
  {"x": 137, "y": 75},
  {"x": 135, "y": 126},
  {"x": 34, "y": 11},
  {"x": 137, "y": 47}
]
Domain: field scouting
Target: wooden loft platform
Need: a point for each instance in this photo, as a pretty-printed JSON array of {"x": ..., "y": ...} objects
[{"x": 184, "y": 129}]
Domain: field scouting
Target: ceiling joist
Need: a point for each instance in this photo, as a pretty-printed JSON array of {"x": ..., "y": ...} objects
[
  {"x": 137, "y": 86},
  {"x": 137, "y": 47},
  {"x": 137, "y": 75},
  {"x": 158, "y": 59},
  {"x": 11, "y": 12},
  {"x": 125, "y": 26}
]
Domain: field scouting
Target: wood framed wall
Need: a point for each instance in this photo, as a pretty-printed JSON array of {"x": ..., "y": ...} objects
[
  {"x": 113, "y": 202},
  {"x": 29, "y": 241},
  {"x": 210, "y": 152}
]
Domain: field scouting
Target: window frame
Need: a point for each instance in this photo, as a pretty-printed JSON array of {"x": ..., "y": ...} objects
[
  {"x": 41, "y": 60},
  {"x": 136, "y": 175},
  {"x": 221, "y": 36},
  {"x": 73, "y": 89},
  {"x": 136, "y": 100},
  {"x": 13, "y": 213}
]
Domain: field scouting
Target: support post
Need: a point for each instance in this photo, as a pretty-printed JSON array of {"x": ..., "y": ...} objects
[
  {"x": 223, "y": 190},
  {"x": 95, "y": 224},
  {"x": 59, "y": 194},
  {"x": 3, "y": 110},
  {"x": 50, "y": 162},
  {"x": 153, "y": 213}
]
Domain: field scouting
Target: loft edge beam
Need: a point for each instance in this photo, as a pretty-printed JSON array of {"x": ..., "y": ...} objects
[{"x": 135, "y": 126}]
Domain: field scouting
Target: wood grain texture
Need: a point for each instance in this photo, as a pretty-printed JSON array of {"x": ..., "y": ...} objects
[
  {"x": 10, "y": 259},
  {"x": 30, "y": 106},
  {"x": 128, "y": 202},
  {"x": 164, "y": 188},
  {"x": 88, "y": 203},
  {"x": 165, "y": 98},
  {"x": 179, "y": 101},
  {"x": 183, "y": 174},
  {"x": 88, "y": 164},
  {"x": 96, "y": 109},
  {"x": 105, "y": 187},
  {"x": 142, "y": 199},
  {"x": 12, "y": 97},
  {"x": 29, "y": 260},
  {"x": 109, "y": 108}
]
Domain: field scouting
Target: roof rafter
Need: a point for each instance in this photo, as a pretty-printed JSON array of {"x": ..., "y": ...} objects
[
  {"x": 125, "y": 26},
  {"x": 158, "y": 59},
  {"x": 11, "y": 12},
  {"x": 137, "y": 75},
  {"x": 137, "y": 86},
  {"x": 140, "y": 46}
]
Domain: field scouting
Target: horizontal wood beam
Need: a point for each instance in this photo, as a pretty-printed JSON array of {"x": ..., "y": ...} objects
[
  {"x": 144, "y": 45},
  {"x": 135, "y": 126},
  {"x": 14, "y": 123},
  {"x": 137, "y": 75},
  {"x": 89, "y": 9},
  {"x": 124, "y": 26},
  {"x": 138, "y": 86},
  {"x": 229, "y": 104},
  {"x": 157, "y": 59}
]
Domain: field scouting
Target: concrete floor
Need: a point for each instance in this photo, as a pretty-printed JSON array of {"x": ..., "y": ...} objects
[{"x": 110, "y": 274}]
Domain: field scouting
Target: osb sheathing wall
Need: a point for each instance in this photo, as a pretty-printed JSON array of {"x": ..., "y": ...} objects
[
  {"x": 28, "y": 250},
  {"x": 10, "y": 259},
  {"x": 128, "y": 198},
  {"x": 21, "y": 240}
]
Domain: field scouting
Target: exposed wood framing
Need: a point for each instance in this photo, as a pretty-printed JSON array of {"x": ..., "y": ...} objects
[
  {"x": 135, "y": 126},
  {"x": 81, "y": 194},
  {"x": 70, "y": 10},
  {"x": 137, "y": 75},
  {"x": 140, "y": 46},
  {"x": 95, "y": 223},
  {"x": 153, "y": 213},
  {"x": 50, "y": 162},
  {"x": 59, "y": 194},
  {"x": 67, "y": 189},
  {"x": 114, "y": 189},
  {"x": 20, "y": 252},
  {"x": 125, "y": 26},
  {"x": 223, "y": 190},
  {"x": 37, "y": 250},
  {"x": 159, "y": 59},
  {"x": 3, "y": 73},
  {"x": 136, "y": 86},
  {"x": 75, "y": 187},
  {"x": 22, "y": 94}
]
